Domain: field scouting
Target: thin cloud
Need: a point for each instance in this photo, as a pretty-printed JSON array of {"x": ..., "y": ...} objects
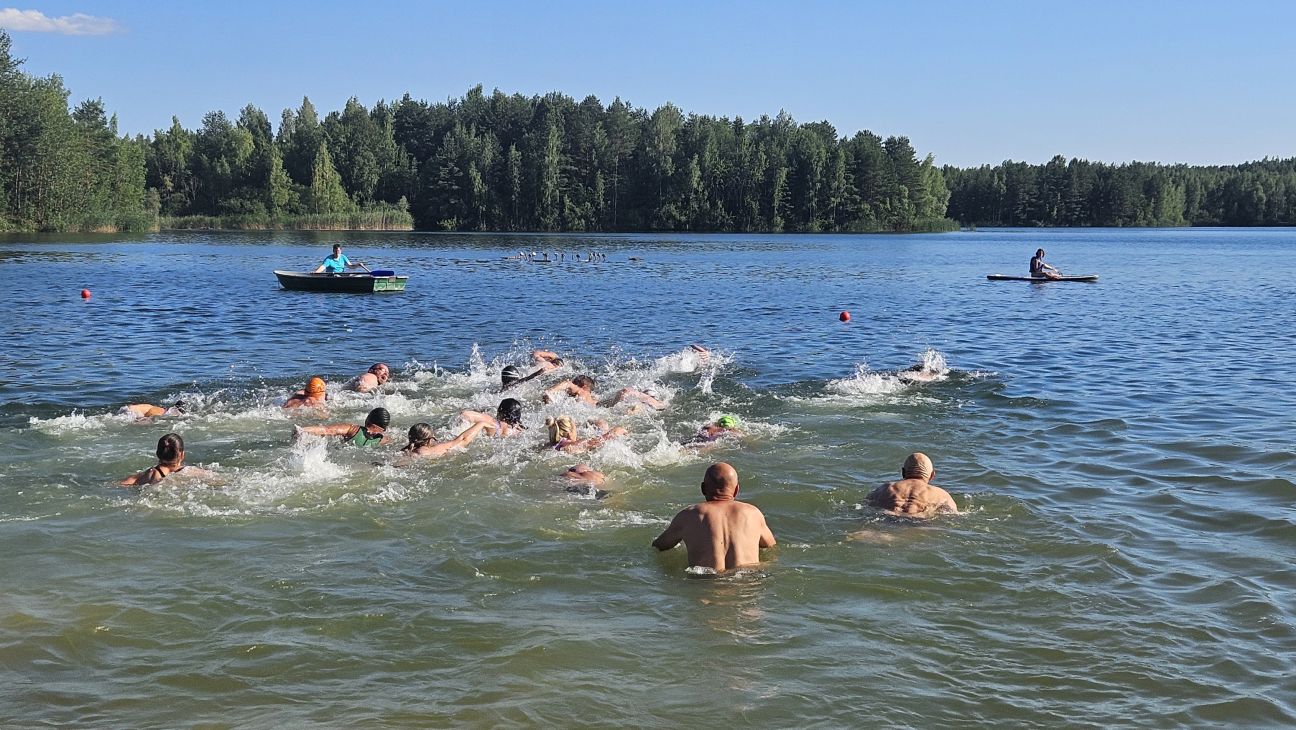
[{"x": 35, "y": 21}]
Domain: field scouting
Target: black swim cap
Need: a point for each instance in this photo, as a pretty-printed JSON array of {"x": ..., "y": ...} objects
[
  {"x": 510, "y": 411},
  {"x": 378, "y": 417},
  {"x": 510, "y": 374}
]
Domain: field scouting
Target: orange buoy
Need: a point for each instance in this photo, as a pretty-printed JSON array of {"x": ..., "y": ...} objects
[
  {"x": 845, "y": 316},
  {"x": 85, "y": 293}
]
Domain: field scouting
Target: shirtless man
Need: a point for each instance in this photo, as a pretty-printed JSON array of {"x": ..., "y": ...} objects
[
  {"x": 914, "y": 495},
  {"x": 377, "y": 375},
  {"x": 720, "y": 533},
  {"x": 148, "y": 410},
  {"x": 581, "y": 388},
  {"x": 311, "y": 397},
  {"x": 170, "y": 456}
]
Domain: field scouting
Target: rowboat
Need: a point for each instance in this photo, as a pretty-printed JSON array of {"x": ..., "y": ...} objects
[{"x": 369, "y": 282}]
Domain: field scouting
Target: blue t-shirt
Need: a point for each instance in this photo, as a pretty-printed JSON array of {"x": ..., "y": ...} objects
[{"x": 336, "y": 265}]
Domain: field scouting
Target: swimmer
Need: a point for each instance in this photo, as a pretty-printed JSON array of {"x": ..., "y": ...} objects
[
  {"x": 506, "y": 422},
  {"x": 148, "y": 410},
  {"x": 312, "y": 397},
  {"x": 720, "y": 533},
  {"x": 564, "y": 437},
  {"x": 581, "y": 388},
  {"x": 372, "y": 433},
  {"x": 170, "y": 456},
  {"x": 584, "y": 480},
  {"x": 914, "y": 495},
  {"x": 421, "y": 441},
  {"x": 722, "y": 427},
  {"x": 377, "y": 375},
  {"x": 545, "y": 362}
]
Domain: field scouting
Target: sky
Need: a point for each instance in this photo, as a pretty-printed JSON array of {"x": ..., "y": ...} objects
[{"x": 970, "y": 81}]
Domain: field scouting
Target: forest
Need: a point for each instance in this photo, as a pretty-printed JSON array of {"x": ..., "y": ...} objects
[{"x": 508, "y": 162}]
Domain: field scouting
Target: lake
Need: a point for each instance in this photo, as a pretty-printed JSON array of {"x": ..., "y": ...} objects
[{"x": 1122, "y": 453}]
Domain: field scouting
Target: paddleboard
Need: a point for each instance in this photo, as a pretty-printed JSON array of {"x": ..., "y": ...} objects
[{"x": 1005, "y": 277}]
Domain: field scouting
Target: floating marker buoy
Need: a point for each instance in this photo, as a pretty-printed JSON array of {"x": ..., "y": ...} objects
[
  {"x": 845, "y": 317},
  {"x": 85, "y": 293}
]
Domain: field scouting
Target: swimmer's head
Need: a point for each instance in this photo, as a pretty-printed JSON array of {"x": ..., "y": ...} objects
[
  {"x": 510, "y": 375},
  {"x": 315, "y": 386},
  {"x": 727, "y": 422},
  {"x": 560, "y": 428},
  {"x": 380, "y": 371},
  {"x": 419, "y": 435},
  {"x": 584, "y": 382},
  {"x": 170, "y": 448},
  {"x": 378, "y": 417},
  {"x": 917, "y": 466},
  {"x": 510, "y": 411},
  {"x": 179, "y": 407},
  {"x": 720, "y": 483}
]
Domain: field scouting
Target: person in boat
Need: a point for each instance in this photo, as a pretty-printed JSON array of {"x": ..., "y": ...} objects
[
  {"x": 722, "y": 427},
  {"x": 1041, "y": 270},
  {"x": 170, "y": 455},
  {"x": 372, "y": 433},
  {"x": 312, "y": 397},
  {"x": 581, "y": 388},
  {"x": 564, "y": 437},
  {"x": 377, "y": 375},
  {"x": 422, "y": 441},
  {"x": 337, "y": 262},
  {"x": 720, "y": 533},
  {"x": 914, "y": 495},
  {"x": 506, "y": 422},
  {"x": 148, "y": 410},
  {"x": 545, "y": 362}
]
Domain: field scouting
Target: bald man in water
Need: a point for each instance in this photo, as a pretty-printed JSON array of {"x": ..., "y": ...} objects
[
  {"x": 914, "y": 495},
  {"x": 720, "y": 533}
]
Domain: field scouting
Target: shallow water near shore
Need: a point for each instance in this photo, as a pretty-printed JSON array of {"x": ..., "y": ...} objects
[{"x": 1122, "y": 452}]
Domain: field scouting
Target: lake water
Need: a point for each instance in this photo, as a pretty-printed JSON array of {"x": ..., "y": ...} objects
[{"x": 1123, "y": 453}]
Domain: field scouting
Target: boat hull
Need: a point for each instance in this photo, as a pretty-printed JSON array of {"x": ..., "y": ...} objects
[
  {"x": 1039, "y": 280},
  {"x": 340, "y": 283}
]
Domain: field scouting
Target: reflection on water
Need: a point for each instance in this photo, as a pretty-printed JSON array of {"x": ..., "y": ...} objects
[{"x": 1122, "y": 454}]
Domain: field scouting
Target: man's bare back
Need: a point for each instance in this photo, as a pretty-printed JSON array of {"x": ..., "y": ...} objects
[
  {"x": 720, "y": 533},
  {"x": 914, "y": 495}
]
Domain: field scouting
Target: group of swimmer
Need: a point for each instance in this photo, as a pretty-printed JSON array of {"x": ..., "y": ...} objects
[
  {"x": 719, "y": 533},
  {"x": 544, "y": 257}
]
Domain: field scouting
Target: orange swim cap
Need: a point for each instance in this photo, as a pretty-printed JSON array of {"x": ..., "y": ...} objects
[{"x": 315, "y": 386}]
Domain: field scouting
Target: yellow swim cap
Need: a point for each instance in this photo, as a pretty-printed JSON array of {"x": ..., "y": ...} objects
[{"x": 315, "y": 386}]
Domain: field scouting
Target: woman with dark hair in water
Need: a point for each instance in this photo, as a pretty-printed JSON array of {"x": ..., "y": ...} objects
[
  {"x": 170, "y": 456},
  {"x": 506, "y": 422},
  {"x": 372, "y": 433},
  {"x": 422, "y": 443}
]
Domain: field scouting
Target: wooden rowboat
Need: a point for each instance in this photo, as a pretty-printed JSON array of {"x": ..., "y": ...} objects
[{"x": 369, "y": 282}]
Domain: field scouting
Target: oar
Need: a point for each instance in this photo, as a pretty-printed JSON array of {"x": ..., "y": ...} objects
[{"x": 366, "y": 268}]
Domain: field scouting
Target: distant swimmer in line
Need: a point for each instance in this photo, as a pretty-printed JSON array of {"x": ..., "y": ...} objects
[
  {"x": 506, "y": 422},
  {"x": 377, "y": 376},
  {"x": 170, "y": 456},
  {"x": 720, "y": 533},
  {"x": 914, "y": 495},
  {"x": 337, "y": 262},
  {"x": 1041, "y": 270},
  {"x": 724, "y": 426},
  {"x": 564, "y": 437},
  {"x": 581, "y": 388},
  {"x": 312, "y": 397},
  {"x": 372, "y": 433},
  {"x": 585, "y": 480},
  {"x": 148, "y": 410},
  {"x": 422, "y": 443},
  {"x": 545, "y": 362}
]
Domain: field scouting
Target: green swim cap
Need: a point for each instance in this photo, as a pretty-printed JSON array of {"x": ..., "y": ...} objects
[{"x": 727, "y": 421}]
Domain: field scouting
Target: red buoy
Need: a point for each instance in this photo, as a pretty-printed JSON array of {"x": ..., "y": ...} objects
[
  {"x": 845, "y": 317},
  {"x": 85, "y": 293}
]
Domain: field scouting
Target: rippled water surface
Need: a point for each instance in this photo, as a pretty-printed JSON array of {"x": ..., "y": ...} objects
[{"x": 1123, "y": 454}]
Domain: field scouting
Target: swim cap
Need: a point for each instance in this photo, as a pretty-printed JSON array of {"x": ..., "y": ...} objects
[
  {"x": 510, "y": 374},
  {"x": 315, "y": 386},
  {"x": 510, "y": 411},
  {"x": 378, "y": 417},
  {"x": 917, "y": 466},
  {"x": 727, "y": 422}
]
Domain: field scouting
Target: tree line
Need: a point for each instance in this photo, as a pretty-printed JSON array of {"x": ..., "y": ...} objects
[{"x": 1083, "y": 193}]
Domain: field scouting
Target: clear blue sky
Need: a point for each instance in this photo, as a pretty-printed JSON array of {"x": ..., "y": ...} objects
[{"x": 971, "y": 81}]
